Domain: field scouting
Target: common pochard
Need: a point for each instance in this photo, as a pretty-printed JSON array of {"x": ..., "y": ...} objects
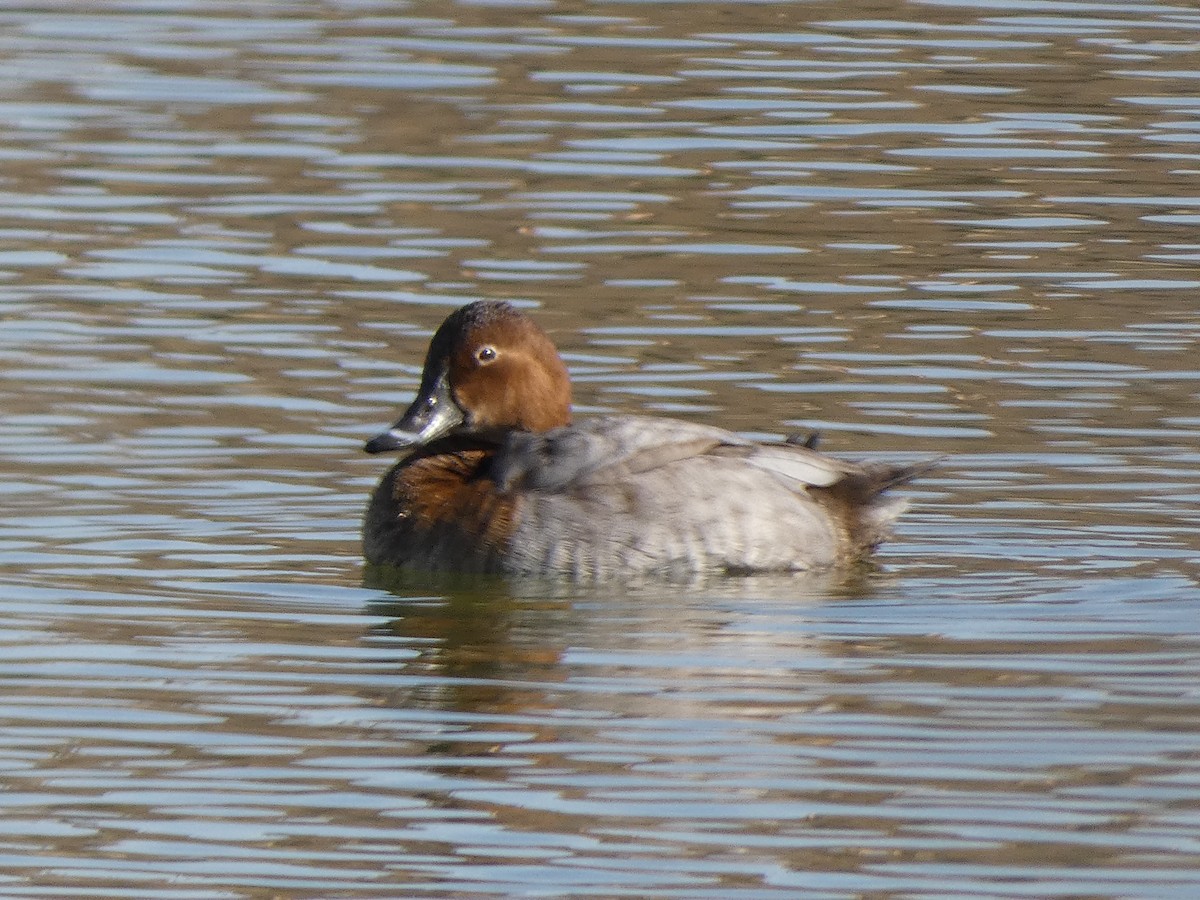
[{"x": 496, "y": 478}]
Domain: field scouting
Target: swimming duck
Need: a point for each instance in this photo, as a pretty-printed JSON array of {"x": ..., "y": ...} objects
[{"x": 497, "y": 479}]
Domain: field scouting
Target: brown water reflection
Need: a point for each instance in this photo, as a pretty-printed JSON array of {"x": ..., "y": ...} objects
[{"x": 226, "y": 232}]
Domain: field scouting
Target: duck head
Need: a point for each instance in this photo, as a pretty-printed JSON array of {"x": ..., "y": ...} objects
[{"x": 489, "y": 370}]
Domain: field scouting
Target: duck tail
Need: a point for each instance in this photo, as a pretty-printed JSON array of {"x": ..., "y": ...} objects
[{"x": 861, "y": 503}]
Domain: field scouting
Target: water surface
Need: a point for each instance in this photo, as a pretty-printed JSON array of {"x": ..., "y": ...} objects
[{"x": 226, "y": 234}]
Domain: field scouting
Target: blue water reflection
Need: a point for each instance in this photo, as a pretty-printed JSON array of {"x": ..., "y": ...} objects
[{"x": 964, "y": 229}]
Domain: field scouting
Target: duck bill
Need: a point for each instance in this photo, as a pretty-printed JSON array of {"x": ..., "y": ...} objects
[{"x": 432, "y": 415}]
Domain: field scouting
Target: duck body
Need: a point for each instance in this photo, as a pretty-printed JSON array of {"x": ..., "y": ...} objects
[{"x": 498, "y": 480}]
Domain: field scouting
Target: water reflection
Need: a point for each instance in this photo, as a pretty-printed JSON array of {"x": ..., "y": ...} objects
[
  {"x": 677, "y": 700},
  {"x": 947, "y": 227}
]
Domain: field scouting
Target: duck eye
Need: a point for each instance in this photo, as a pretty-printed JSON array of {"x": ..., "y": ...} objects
[{"x": 485, "y": 354}]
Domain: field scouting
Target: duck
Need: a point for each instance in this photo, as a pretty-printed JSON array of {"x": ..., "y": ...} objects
[{"x": 495, "y": 477}]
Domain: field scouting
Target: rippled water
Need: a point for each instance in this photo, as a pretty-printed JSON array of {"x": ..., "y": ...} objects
[{"x": 960, "y": 228}]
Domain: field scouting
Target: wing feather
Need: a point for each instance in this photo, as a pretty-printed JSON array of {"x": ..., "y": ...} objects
[{"x": 611, "y": 448}]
